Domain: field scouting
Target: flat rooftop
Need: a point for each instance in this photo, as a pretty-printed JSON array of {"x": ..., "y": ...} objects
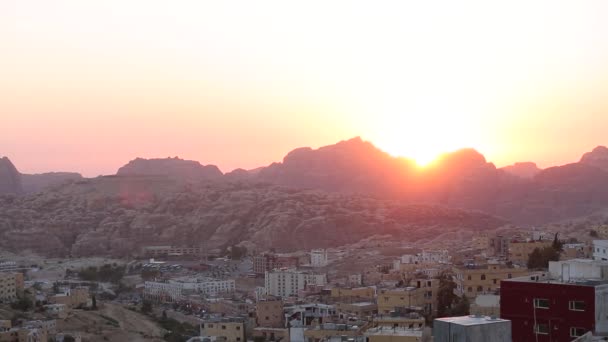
[
  {"x": 471, "y": 320},
  {"x": 398, "y": 331}
]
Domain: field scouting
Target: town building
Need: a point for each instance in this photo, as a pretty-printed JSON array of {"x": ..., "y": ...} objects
[
  {"x": 10, "y": 285},
  {"x": 520, "y": 250},
  {"x": 359, "y": 309},
  {"x": 498, "y": 246},
  {"x": 356, "y": 293},
  {"x": 269, "y": 313},
  {"x": 163, "y": 292},
  {"x": 57, "y": 310},
  {"x": 207, "y": 286},
  {"x": 600, "y": 250},
  {"x": 72, "y": 298},
  {"x": 560, "y": 305},
  {"x": 287, "y": 282},
  {"x": 318, "y": 258},
  {"x": 8, "y": 266},
  {"x": 422, "y": 293},
  {"x": 473, "y": 280},
  {"x": 269, "y": 261},
  {"x": 305, "y": 315},
  {"x": 229, "y": 329},
  {"x": 395, "y": 334},
  {"x": 472, "y": 329},
  {"x": 325, "y": 332},
  {"x": 165, "y": 251}
]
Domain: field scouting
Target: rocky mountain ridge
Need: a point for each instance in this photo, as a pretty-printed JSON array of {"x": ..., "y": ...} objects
[{"x": 118, "y": 215}]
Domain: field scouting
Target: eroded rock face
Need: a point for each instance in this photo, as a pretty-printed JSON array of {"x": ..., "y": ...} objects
[
  {"x": 41, "y": 181},
  {"x": 10, "y": 179},
  {"x": 598, "y": 157},
  {"x": 187, "y": 170},
  {"x": 523, "y": 169},
  {"x": 118, "y": 215}
]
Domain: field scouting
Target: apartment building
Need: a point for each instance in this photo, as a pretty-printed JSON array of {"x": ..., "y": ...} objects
[
  {"x": 600, "y": 250},
  {"x": 10, "y": 285},
  {"x": 287, "y": 282},
  {"x": 520, "y": 250},
  {"x": 163, "y": 251},
  {"x": 368, "y": 292},
  {"x": 560, "y": 305},
  {"x": 474, "y": 280},
  {"x": 473, "y": 329},
  {"x": 228, "y": 329},
  {"x": 318, "y": 258},
  {"x": 269, "y": 313},
  {"x": 391, "y": 299},
  {"x": 267, "y": 262},
  {"x": 163, "y": 292},
  {"x": 207, "y": 286}
]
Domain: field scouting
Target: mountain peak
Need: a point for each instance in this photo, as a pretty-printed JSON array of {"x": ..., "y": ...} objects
[
  {"x": 10, "y": 179},
  {"x": 175, "y": 167},
  {"x": 598, "y": 157}
]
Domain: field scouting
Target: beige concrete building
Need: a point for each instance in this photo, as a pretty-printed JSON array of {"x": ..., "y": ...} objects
[
  {"x": 391, "y": 299},
  {"x": 368, "y": 292},
  {"x": 10, "y": 285},
  {"x": 72, "y": 298},
  {"x": 269, "y": 313},
  {"x": 232, "y": 330},
  {"x": 271, "y": 334},
  {"x": 360, "y": 309},
  {"x": 413, "y": 322},
  {"x": 326, "y": 331},
  {"x": 484, "y": 279},
  {"x": 519, "y": 251},
  {"x": 386, "y": 334}
]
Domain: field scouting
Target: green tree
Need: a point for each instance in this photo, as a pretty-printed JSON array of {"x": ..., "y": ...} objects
[
  {"x": 539, "y": 258},
  {"x": 23, "y": 304},
  {"x": 146, "y": 306},
  {"x": 593, "y": 233}
]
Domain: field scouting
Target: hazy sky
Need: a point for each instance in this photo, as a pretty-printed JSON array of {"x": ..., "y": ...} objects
[{"x": 88, "y": 85}]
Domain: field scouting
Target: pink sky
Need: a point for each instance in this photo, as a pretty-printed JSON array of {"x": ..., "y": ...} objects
[{"x": 88, "y": 86}]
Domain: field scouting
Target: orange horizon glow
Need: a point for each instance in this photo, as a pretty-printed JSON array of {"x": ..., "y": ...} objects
[{"x": 88, "y": 86}]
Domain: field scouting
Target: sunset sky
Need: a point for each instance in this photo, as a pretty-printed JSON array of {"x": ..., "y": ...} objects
[{"x": 87, "y": 86}]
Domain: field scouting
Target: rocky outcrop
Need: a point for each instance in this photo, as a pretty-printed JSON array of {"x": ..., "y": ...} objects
[
  {"x": 522, "y": 169},
  {"x": 41, "y": 181},
  {"x": 10, "y": 179},
  {"x": 598, "y": 157},
  {"x": 186, "y": 170},
  {"x": 118, "y": 215}
]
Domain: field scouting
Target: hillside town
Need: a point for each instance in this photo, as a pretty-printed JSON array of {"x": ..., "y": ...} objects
[{"x": 523, "y": 286}]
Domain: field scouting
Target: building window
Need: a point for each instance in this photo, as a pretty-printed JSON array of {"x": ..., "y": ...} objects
[
  {"x": 541, "y": 303},
  {"x": 223, "y": 327},
  {"x": 238, "y": 327},
  {"x": 479, "y": 288},
  {"x": 509, "y": 276},
  {"x": 541, "y": 329},
  {"x": 470, "y": 289},
  {"x": 483, "y": 277},
  {"x": 576, "y": 305},
  {"x": 209, "y": 325},
  {"x": 468, "y": 277},
  {"x": 577, "y": 332}
]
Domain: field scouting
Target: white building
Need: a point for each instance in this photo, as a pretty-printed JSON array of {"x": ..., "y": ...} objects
[
  {"x": 471, "y": 329},
  {"x": 287, "y": 282},
  {"x": 600, "y": 250},
  {"x": 8, "y": 266},
  {"x": 577, "y": 269},
  {"x": 318, "y": 257},
  {"x": 164, "y": 292},
  {"x": 207, "y": 286}
]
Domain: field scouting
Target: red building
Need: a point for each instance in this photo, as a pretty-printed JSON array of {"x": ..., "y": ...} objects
[{"x": 545, "y": 309}]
